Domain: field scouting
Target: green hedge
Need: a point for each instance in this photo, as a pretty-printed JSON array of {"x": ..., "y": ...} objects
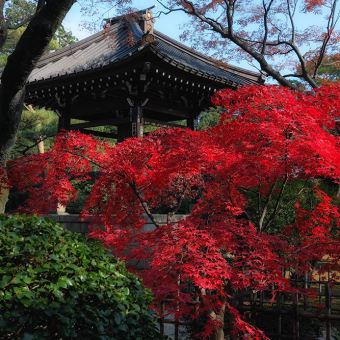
[{"x": 55, "y": 284}]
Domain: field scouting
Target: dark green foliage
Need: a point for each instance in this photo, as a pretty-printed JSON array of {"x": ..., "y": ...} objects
[
  {"x": 83, "y": 191},
  {"x": 209, "y": 118},
  {"x": 296, "y": 190},
  {"x": 55, "y": 284},
  {"x": 18, "y": 13},
  {"x": 35, "y": 126}
]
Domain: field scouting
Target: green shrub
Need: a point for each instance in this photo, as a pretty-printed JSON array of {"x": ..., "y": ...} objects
[{"x": 55, "y": 284}]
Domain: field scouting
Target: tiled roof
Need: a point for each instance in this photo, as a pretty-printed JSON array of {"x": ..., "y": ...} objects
[
  {"x": 123, "y": 40},
  {"x": 96, "y": 51},
  {"x": 182, "y": 55}
]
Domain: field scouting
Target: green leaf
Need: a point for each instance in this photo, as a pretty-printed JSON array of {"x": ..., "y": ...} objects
[
  {"x": 118, "y": 318},
  {"x": 5, "y": 280}
]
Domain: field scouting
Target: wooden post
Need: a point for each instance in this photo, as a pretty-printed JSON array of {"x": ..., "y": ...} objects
[
  {"x": 63, "y": 124},
  {"x": 137, "y": 126},
  {"x": 123, "y": 132},
  {"x": 328, "y": 307},
  {"x": 192, "y": 123},
  {"x": 64, "y": 121},
  {"x": 305, "y": 301},
  {"x": 161, "y": 320},
  {"x": 296, "y": 335},
  {"x": 279, "y": 325}
]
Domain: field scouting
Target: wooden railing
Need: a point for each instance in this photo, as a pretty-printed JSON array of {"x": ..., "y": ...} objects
[{"x": 286, "y": 313}]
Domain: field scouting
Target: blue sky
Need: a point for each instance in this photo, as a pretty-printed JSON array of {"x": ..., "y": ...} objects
[{"x": 167, "y": 24}]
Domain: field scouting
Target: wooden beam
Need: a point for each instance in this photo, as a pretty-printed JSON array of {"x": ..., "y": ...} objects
[
  {"x": 154, "y": 122},
  {"x": 99, "y": 133},
  {"x": 103, "y": 122}
]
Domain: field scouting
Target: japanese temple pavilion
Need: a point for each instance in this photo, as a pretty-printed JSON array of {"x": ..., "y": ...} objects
[{"x": 130, "y": 75}]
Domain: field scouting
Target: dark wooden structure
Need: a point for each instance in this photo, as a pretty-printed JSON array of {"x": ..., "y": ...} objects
[{"x": 129, "y": 75}]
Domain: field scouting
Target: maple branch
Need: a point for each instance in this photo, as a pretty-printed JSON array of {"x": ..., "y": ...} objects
[
  {"x": 311, "y": 245},
  {"x": 265, "y": 23},
  {"x": 144, "y": 204},
  {"x": 172, "y": 213},
  {"x": 170, "y": 10},
  {"x": 265, "y": 208},
  {"x": 277, "y": 204},
  {"x": 302, "y": 61},
  {"x": 291, "y": 19},
  {"x": 293, "y": 75},
  {"x": 87, "y": 159},
  {"x": 39, "y": 140},
  {"x": 330, "y": 27}
]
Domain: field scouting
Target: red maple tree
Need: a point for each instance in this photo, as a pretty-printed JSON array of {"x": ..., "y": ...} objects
[{"x": 268, "y": 138}]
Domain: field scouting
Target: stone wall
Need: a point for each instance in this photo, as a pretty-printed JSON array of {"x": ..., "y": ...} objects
[{"x": 73, "y": 223}]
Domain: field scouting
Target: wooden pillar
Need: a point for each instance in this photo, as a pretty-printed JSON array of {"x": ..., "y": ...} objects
[
  {"x": 137, "y": 126},
  {"x": 63, "y": 124},
  {"x": 123, "y": 132},
  {"x": 192, "y": 123},
  {"x": 64, "y": 121}
]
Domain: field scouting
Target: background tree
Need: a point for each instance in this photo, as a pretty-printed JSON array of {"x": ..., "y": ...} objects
[
  {"x": 329, "y": 70},
  {"x": 271, "y": 33},
  {"x": 61, "y": 39},
  {"x": 209, "y": 118},
  {"x": 36, "y": 124},
  {"x": 32, "y": 44}
]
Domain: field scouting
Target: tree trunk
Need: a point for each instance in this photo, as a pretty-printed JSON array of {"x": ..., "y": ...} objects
[
  {"x": 3, "y": 25},
  {"x": 219, "y": 331},
  {"x": 4, "y": 192},
  {"x": 41, "y": 145},
  {"x": 9, "y": 122}
]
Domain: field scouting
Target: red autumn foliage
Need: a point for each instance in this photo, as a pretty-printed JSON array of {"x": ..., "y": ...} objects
[{"x": 267, "y": 138}]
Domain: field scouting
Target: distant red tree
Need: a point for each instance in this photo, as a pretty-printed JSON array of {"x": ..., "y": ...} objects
[{"x": 267, "y": 138}]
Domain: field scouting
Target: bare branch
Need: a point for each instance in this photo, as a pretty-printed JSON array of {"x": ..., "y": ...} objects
[
  {"x": 265, "y": 23},
  {"x": 291, "y": 19},
  {"x": 41, "y": 139},
  {"x": 332, "y": 21},
  {"x": 293, "y": 75}
]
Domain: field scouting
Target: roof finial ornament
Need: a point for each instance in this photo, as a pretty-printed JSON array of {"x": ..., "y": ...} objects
[
  {"x": 147, "y": 20},
  {"x": 143, "y": 17}
]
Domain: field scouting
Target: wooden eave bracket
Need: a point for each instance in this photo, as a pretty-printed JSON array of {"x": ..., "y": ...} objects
[{"x": 148, "y": 39}]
